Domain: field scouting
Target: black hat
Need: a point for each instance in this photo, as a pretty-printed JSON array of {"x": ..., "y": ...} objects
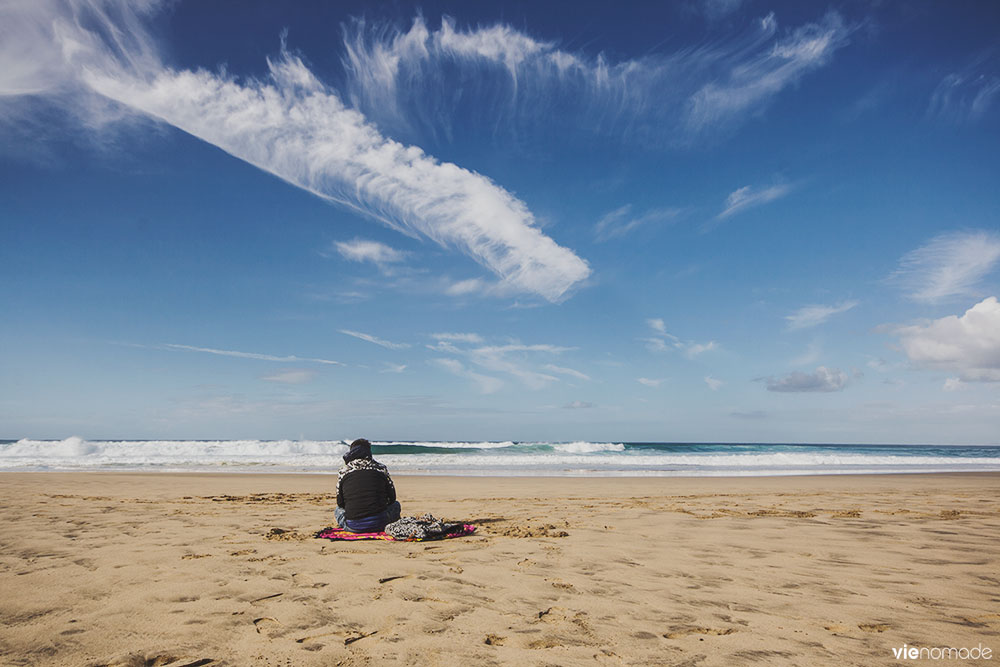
[{"x": 360, "y": 449}]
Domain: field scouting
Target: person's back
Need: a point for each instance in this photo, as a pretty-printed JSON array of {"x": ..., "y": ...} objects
[{"x": 366, "y": 496}]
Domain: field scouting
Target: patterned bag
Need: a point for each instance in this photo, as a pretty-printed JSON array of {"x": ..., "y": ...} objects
[{"x": 421, "y": 528}]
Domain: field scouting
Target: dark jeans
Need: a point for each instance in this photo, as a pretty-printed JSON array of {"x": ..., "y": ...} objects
[{"x": 368, "y": 524}]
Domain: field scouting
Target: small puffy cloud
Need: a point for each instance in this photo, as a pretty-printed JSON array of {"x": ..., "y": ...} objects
[
  {"x": 747, "y": 197},
  {"x": 657, "y": 325},
  {"x": 952, "y": 384},
  {"x": 650, "y": 382},
  {"x": 811, "y": 316},
  {"x": 968, "y": 345},
  {"x": 291, "y": 376},
  {"x": 361, "y": 250},
  {"x": 713, "y": 383},
  {"x": 822, "y": 380},
  {"x": 949, "y": 265},
  {"x": 465, "y": 287},
  {"x": 373, "y": 339}
]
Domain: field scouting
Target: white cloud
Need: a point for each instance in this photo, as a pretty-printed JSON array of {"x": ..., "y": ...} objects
[
  {"x": 952, "y": 384},
  {"x": 292, "y": 376},
  {"x": 811, "y": 316},
  {"x": 713, "y": 383},
  {"x": 753, "y": 80},
  {"x": 361, "y": 250},
  {"x": 620, "y": 222},
  {"x": 378, "y": 341},
  {"x": 747, "y": 197},
  {"x": 578, "y": 405},
  {"x": 291, "y": 125},
  {"x": 968, "y": 345},
  {"x": 950, "y": 265},
  {"x": 822, "y": 380},
  {"x": 692, "y": 350},
  {"x": 663, "y": 341},
  {"x": 968, "y": 94},
  {"x": 562, "y": 370},
  {"x": 250, "y": 355},
  {"x": 487, "y": 384},
  {"x": 393, "y": 368},
  {"x": 433, "y": 81},
  {"x": 465, "y": 287},
  {"x": 458, "y": 337},
  {"x": 650, "y": 382},
  {"x": 514, "y": 359}
]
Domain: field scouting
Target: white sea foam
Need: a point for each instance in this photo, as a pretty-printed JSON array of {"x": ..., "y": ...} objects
[
  {"x": 178, "y": 454},
  {"x": 587, "y": 447},
  {"x": 493, "y": 458}
]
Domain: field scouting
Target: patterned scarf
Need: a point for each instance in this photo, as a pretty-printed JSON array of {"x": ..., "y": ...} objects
[{"x": 362, "y": 464}]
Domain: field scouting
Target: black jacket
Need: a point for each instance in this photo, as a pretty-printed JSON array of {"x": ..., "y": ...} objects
[{"x": 365, "y": 493}]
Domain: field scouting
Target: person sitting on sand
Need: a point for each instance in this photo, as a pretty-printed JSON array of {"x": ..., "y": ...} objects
[{"x": 366, "y": 497}]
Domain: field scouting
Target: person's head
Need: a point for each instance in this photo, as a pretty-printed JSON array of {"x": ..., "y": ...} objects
[{"x": 360, "y": 449}]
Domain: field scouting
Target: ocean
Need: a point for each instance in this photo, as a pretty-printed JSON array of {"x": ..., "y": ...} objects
[{"x": 584, "y": 459}]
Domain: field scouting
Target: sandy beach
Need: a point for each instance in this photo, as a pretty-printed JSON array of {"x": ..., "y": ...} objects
[{"x": 207, "y": 569}]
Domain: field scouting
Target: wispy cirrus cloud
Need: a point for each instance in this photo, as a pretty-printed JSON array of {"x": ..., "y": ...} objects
[
  {"x": 814, "y": 315},
  {"x": 650, "y": 382},
  {"x": 747, "y": 197},
  {"x": 291, "y": 376},
  {"x": 376, "y": 340},
  {"x": 248, "y": 355},
  {"x": 515, "y": 359},
  {"x": 756, "y": 78},
  {"x": 968, "y": 345},
  {"x": 949, "y": 265},
  {"x": 966, "y": 95},
  {"x": 288, "y": 123},
  {"x": 429, "y": 81},
  {"x": 662, "y": 340},
  {"x": 621, "y": 221},
  {"x": 458, "y": 337},
  {"x": 487, "y": 384},
  {"x": 562, "y": 370},
  {"x": 393, "y": 368},
  {"x": 713, "y": 383}
]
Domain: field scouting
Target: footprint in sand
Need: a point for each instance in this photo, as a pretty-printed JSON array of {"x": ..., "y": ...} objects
[
  {"x": 267, "y": 626},
  {"x": 873, "y": 627}
]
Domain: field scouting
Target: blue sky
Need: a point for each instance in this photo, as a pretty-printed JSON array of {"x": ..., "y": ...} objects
[{"x": 705, "y": 221}]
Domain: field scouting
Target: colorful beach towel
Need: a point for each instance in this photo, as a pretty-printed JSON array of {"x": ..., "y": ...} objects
[{"x": 341, "y": 534}]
